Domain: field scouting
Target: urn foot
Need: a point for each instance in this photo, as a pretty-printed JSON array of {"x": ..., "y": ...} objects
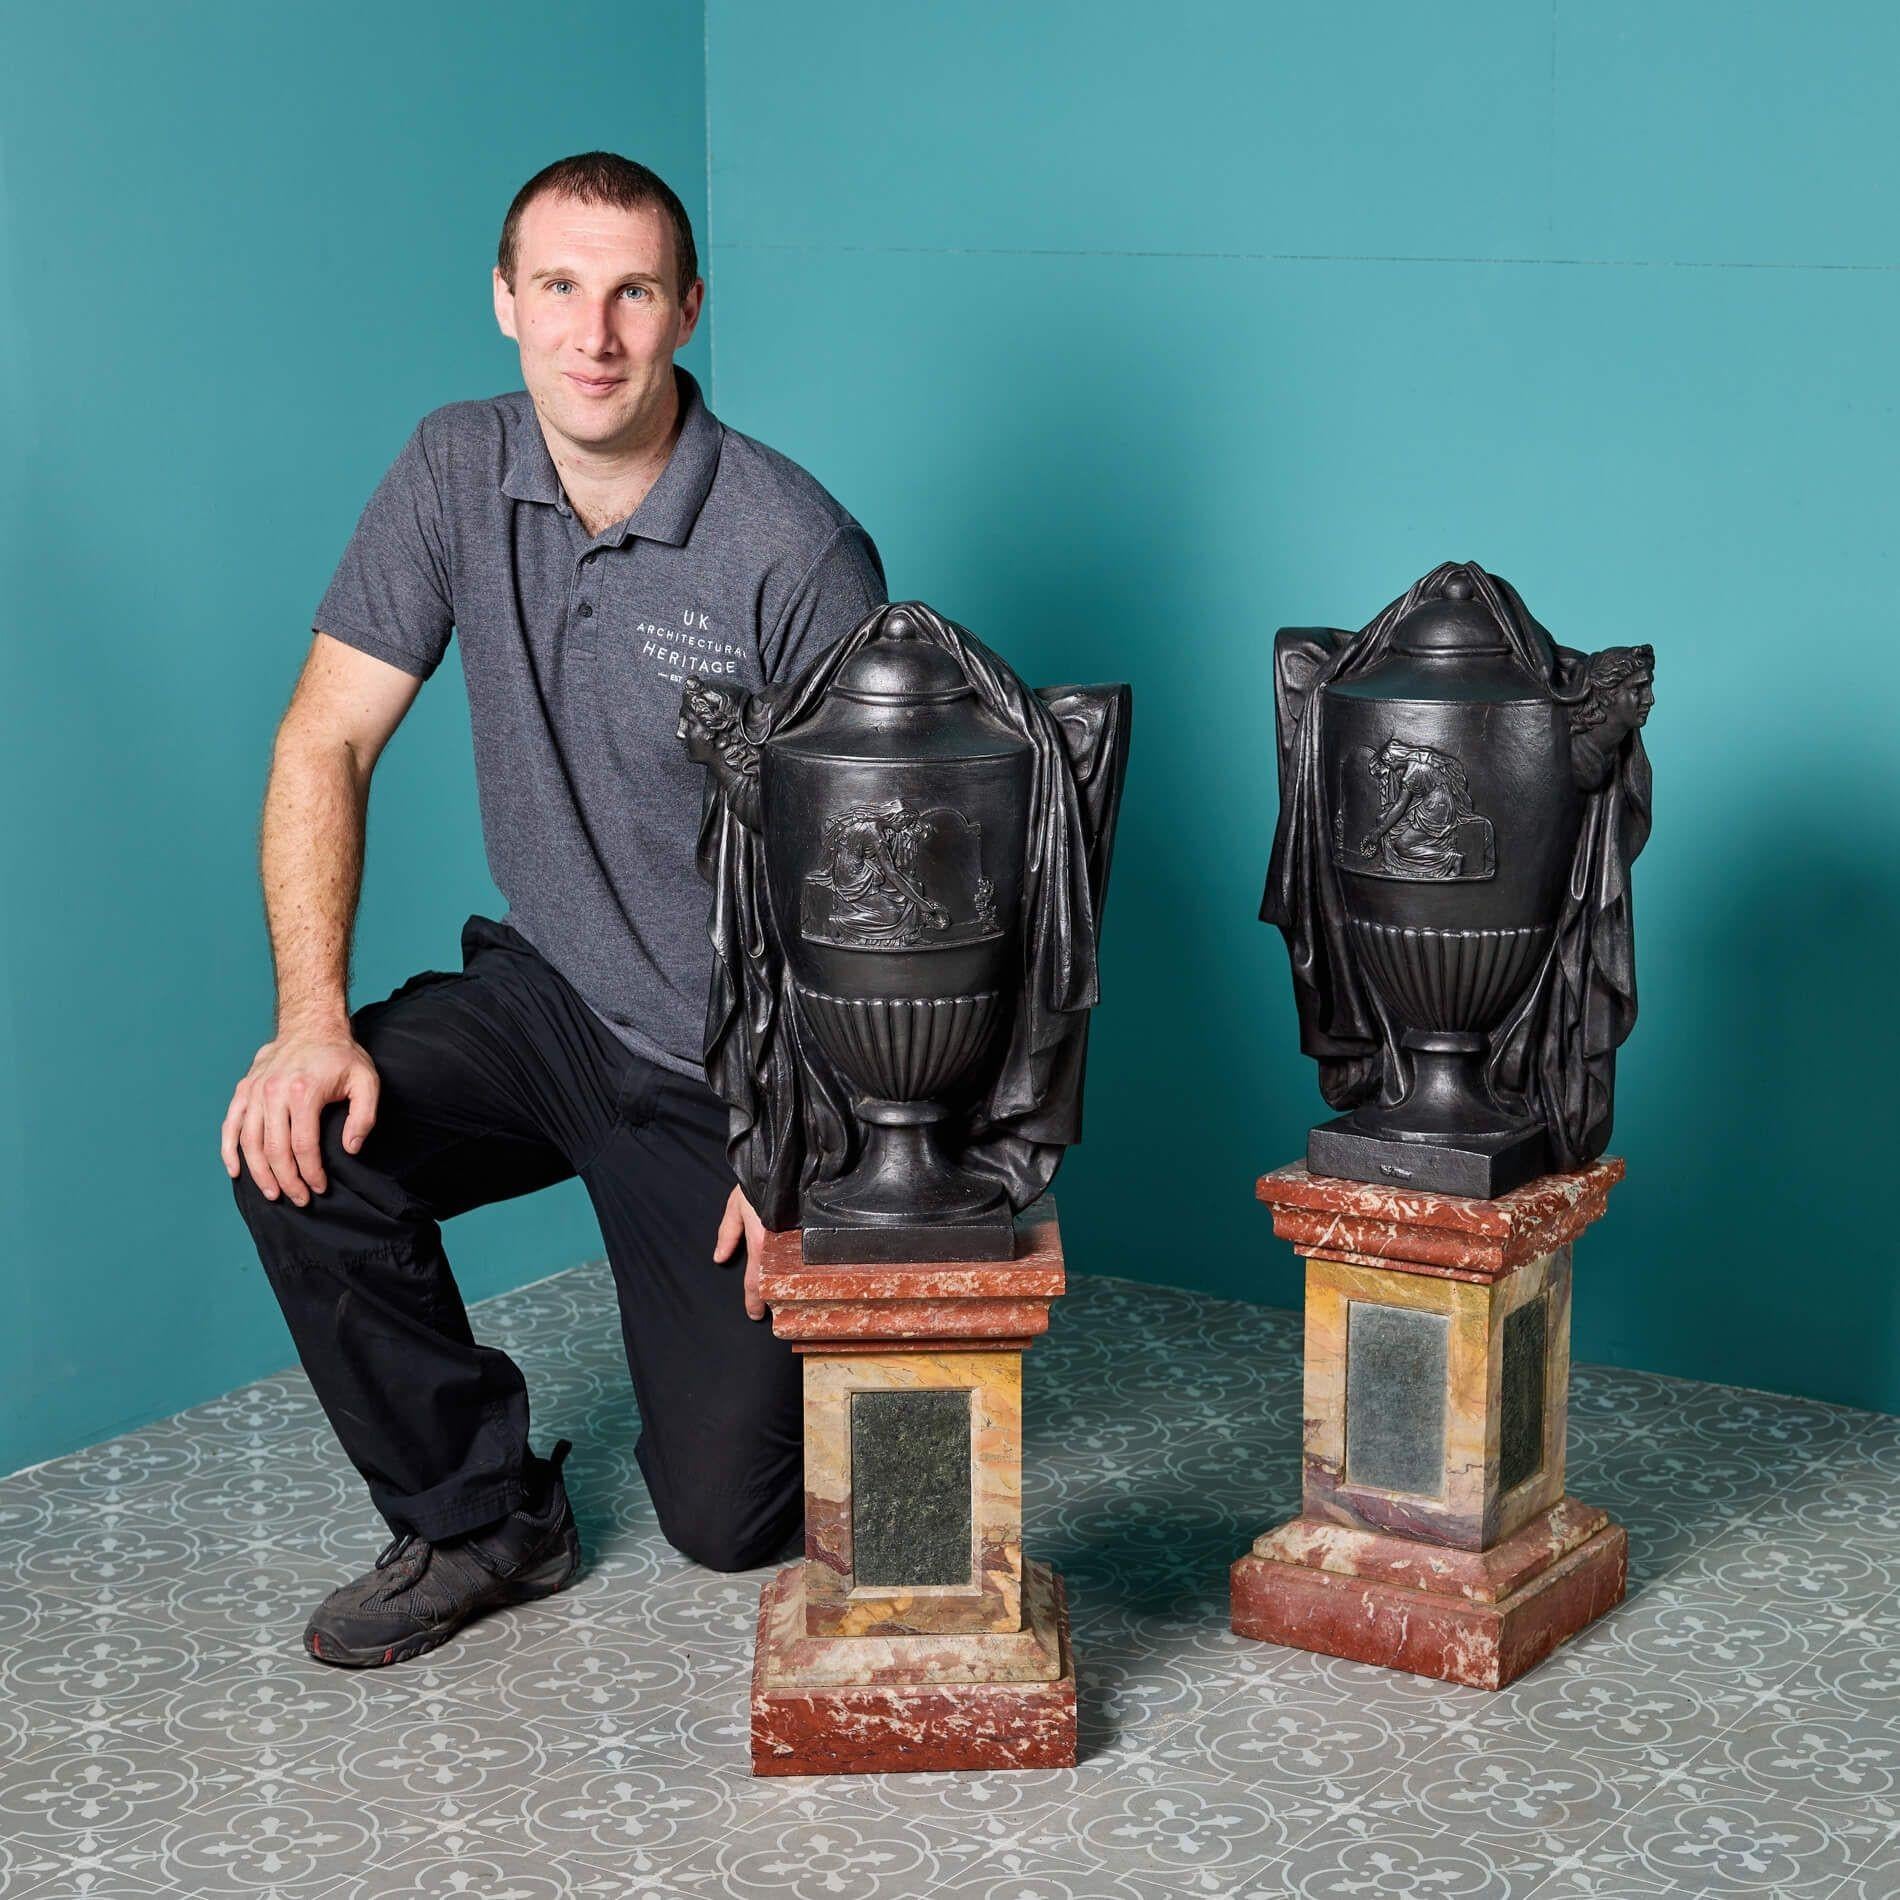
[
  {"x": 1482, "y": 1166},
  {"x": 906, "y": 1199}
]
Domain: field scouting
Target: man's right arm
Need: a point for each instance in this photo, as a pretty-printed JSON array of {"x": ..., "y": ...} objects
[{"x": 346, "y": 706}]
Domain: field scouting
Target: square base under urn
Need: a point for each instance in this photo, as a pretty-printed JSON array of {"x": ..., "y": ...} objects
[
  {"x": 866, "y": 1705},
  {"x": 1481, "y": 1618},
  {"x": 1479, "y": 1166},
  {"x": 834, "y": 1244}
]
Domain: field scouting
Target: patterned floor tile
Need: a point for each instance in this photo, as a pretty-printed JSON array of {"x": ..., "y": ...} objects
[
  {"x": 23, "y": 1730},
  {"x": 1319, "y": 1746},
  {"x": 1662, "y": 1536},
  {"x": 1788, "y": 1750},
  {"x": 1488, "y": 1789},
  {"x": 272, "y": 1496},
  {"x": 161, "y": 1458},
  {"x": 1860, "y": 1670},
  {"x": 1624, "y": 1400},
  {"x": 469, "y": 1867},
  {"x": 1765, "y": 1424},
  {"x": 93, "y": 1869},
  {"x": 260, "y": 1600},
  {"x": 285, "y": 1402},
  {"x": 26, "y": 1513},
  {"x": 604, "y": 1807},
  {"x": 450, "y": 1759},
  {"x": 582, "y": 1672},
  {"x": 1700, "y": 1486},
  {"x": 130, "y": 1558},
  {"x": 1878, "y": 1443},
  {"x": 952, "y": 1822},
  {"x": 1591, "y": 1711},
  {"x": 1838, "y": 1504},
  {"x": 1363, "y": 1686},
  {"x": 116, "y": 1661},
  {"x": 1725, "y": 1730},
  {"x": 1712, "y": 1840},
  {"x": 1571, "y": 1880},
  {"x": 620, "y": 1542},
  {"x": 1021, "y": 1872},
  {"x": 276, "y": 1839},
  {"x": 1189, "y": 1833},
  {"x": 472, "y": 1867},
  {"x": 968, "y": 1814},
  {"x": 1360, "y": 1854},
  {"x": 32, "y": 1613},
  {"x": 269, "y": 1711},
  {"x": 1876, "y": 1878},
  {"x": 843, "y": 1856},
  {"x": 1128, "y": 1696},
  {"x": 1688, "y": 1633},
  {"x": 1749, "y": 1566},
  {"x": 82, "y": 1800},
  {"x": 716, "y": 1732}
]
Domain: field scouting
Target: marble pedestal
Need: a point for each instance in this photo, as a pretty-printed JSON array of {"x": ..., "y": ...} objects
[
  {"x": 1435, "y": 1534},
  {"x": 913, "y": 1635}
]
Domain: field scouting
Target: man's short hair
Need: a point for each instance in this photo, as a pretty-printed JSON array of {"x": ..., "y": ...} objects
[{"x": 602, "y": 178}]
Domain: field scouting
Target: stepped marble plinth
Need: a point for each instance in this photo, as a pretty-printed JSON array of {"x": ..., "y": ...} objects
[{"x": 1435, "y": 1533}]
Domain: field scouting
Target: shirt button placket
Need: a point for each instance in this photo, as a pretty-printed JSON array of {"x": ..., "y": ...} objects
[{"x": 586, "y": 598}]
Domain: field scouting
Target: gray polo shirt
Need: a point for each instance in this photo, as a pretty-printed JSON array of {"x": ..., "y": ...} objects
[{"x": 737, "y": 565}]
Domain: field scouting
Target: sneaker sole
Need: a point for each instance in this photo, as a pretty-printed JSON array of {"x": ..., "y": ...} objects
[{"x": 545, "y": 1581}]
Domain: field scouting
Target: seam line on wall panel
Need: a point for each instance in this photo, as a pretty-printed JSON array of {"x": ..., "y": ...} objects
[
  {"x": 1308, "y": 257},
  {"x": 1550, "y": 130}
]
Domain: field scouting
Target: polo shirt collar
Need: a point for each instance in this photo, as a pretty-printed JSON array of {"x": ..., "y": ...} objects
[{"x": 672, "y": 504}]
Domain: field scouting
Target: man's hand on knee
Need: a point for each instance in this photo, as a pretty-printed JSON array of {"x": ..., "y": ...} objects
[
  {"x": 272, "y": 1125},
  {"x": 737, "y": 1223}
]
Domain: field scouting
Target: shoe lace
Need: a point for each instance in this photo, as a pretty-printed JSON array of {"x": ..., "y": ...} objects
[
  {"x": 496, "y": 1567},
  {"x": 394, "y": 1549}
]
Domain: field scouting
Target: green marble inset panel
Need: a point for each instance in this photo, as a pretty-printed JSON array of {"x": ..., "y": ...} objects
[
  {"x": 1521, "y": 1394},
  {"x": 1396, "y": 1370},
  {"x": 910, "y": 1488}
]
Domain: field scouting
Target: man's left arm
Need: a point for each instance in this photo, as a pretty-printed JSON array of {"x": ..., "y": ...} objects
[{"x": 842, "y": 585}]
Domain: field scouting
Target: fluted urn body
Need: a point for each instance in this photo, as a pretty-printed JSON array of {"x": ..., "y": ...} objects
[
  {"x": 895, "y": 823},
  {"x": 1453, "y": 815}
]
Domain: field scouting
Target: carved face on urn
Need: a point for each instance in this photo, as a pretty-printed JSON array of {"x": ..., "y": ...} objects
[{"x": 1618, "y": 696}]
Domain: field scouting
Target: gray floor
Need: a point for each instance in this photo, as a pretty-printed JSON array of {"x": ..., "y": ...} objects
[{"x": 1734, "y": 1728}]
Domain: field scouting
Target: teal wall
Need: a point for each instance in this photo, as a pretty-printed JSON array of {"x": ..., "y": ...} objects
[
  {"x": 1131, "y": 335},
  {"x": 1134, "y": 332},
  {"x": 243, "y": 248}
]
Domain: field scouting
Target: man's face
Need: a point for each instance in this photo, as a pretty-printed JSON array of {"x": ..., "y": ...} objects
[{"x": 597, "y": 313}]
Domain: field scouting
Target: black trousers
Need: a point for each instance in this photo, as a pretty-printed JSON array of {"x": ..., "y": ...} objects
[{"x": 495, "y": 1082}]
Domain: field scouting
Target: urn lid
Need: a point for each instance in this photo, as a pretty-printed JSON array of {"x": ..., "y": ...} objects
[
  {"x": 1453, "y": 623},
  {"x": 899, "y": 697},
  {"x": 898, "y": 668},
  {"x": 1448, "y": 647}
]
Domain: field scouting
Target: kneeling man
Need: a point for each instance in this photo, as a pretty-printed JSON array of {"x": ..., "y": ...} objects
[{"x": 592, "y": 538}]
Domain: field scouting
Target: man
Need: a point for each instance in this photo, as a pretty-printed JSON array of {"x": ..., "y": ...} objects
[{"x": 592, "y": 539}]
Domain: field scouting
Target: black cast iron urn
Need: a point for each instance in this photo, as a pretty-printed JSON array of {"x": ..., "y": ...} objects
[
  {"x": 904, "y": 794},
  {"x": 1460, "y": 804}
]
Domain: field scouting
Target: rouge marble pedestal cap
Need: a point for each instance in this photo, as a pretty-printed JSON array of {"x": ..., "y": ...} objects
[{"x": 1413, "y": 1232}]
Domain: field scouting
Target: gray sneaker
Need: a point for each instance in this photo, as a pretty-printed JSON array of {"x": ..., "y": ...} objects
[{"x": 419, "y": 1594}]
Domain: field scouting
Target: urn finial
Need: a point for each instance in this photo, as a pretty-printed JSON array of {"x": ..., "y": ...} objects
[{"x": 1458, "y": 587}]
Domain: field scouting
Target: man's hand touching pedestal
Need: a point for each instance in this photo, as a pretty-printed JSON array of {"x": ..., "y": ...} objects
[
  {"x": 740, "y": 1222},
  {"x": 272, "y": 1123}
]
